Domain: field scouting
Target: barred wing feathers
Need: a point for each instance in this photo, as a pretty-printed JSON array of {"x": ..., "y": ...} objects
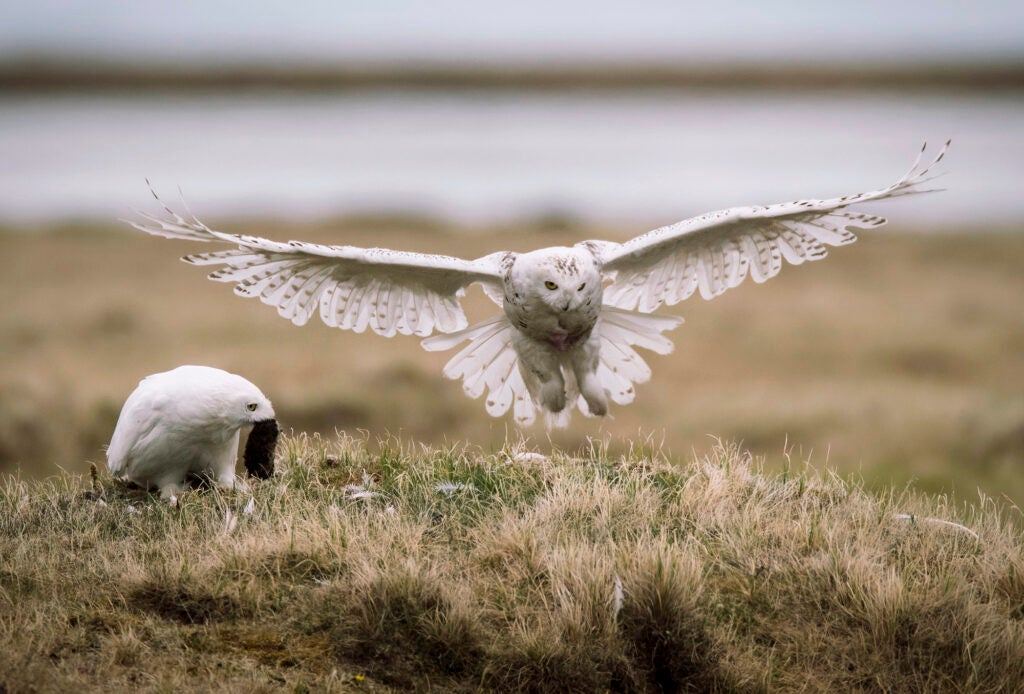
[
  {"x": 352, "y": 288},
  {"x": 716, "y": 251}
]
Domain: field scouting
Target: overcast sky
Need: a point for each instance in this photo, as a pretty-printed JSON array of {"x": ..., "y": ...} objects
[{"x": 525, "y": 30}]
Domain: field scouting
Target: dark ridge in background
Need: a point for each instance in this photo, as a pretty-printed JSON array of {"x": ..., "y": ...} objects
[{"x": 41, "y": 75}]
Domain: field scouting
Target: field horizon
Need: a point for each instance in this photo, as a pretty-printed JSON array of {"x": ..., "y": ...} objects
[{"x": 91, "y": 73}]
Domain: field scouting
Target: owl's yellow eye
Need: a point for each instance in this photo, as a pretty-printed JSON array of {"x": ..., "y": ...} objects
[
  {"x": 551, "y": 285},
  {"x": 251, "y": 407}
]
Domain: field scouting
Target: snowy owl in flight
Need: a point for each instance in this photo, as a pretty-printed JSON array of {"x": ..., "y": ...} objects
[{"x": 572, "y": 316}]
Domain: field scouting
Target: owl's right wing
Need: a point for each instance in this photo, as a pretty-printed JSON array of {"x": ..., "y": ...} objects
[{"x": 352, "y": 288}]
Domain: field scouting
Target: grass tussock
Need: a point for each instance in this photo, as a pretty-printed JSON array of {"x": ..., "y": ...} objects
[{"x": 395, "y": 568}]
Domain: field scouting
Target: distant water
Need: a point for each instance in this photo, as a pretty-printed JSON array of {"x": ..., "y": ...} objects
[{"x": 649, "y": 158}]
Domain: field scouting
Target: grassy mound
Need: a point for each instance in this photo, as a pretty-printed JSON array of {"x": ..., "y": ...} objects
[{"x": 458, "y": 569}]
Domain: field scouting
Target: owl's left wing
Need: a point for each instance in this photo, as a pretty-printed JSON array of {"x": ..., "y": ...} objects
[
  {"x": 351, "y": 288},
  {"x": 716, "y": 251}
]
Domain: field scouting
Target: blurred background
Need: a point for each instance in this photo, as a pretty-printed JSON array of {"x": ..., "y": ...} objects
[{"x": 458, "y": 128}]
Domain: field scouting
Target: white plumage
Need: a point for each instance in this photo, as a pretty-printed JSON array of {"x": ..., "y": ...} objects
[
  {"x": 572, "y": 316},
  {"x": 184, "y": 423}
]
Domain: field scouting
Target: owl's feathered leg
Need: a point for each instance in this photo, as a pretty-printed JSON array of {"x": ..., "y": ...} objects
[
  {"x": 552, "y": 386},
  {"x": 552, "y": 395},
  {"x": 541, "y": 368},
  {"x": 585, "y": 360}
]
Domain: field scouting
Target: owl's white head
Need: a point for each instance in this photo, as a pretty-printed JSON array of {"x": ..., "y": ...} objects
[
  {"x": 206, "y": 394},
  {"x": 564, "y": 279},
  {"x": 245, "y": 403}
]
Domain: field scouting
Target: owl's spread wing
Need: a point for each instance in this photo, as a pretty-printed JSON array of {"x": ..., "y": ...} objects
[
  {"x": 716, "y": 251},
  {"x": 353, "y": 288}
]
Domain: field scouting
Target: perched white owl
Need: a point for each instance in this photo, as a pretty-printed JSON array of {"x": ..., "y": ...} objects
[
  {"x": 572, "y": 316},
  {"x": 185, "y": 423}
]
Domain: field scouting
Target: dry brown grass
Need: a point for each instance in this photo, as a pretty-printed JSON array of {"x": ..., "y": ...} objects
[
  {"x": 582, "y": 573},
  {"x": 900, "y": 358}
]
